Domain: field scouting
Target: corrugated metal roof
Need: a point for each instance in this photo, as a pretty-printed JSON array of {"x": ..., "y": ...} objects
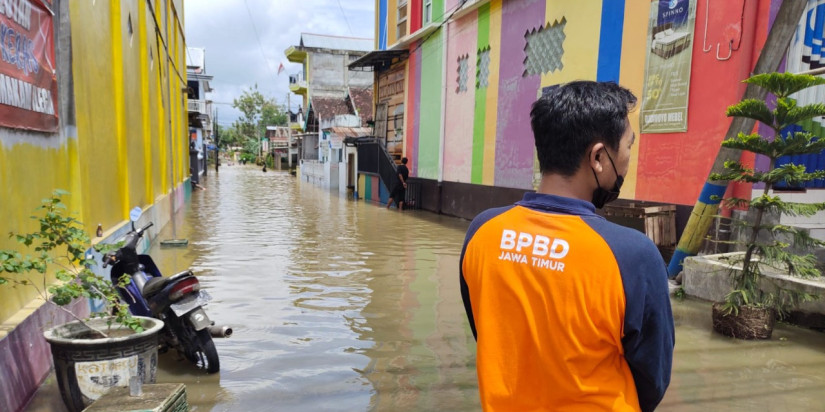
[
  {"x": 322, "y": 41},
  {"x": 352, "y": 131}
]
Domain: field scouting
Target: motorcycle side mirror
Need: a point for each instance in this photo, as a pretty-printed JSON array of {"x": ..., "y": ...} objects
[{"x": 134, "y": 215}]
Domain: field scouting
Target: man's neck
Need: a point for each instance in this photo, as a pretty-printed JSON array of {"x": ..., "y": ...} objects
[{"x": 566, "y": 186}]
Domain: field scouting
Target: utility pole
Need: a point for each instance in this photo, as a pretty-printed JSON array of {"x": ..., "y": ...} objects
[
  {"x": 701, "y": 218},
  {"x": 217, "y": 142}
]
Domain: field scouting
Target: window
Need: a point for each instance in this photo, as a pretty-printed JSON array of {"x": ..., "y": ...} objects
[
  {"x": 427, "y": 12},
  {"x": 483, "y": 68},
  {"x": 401, "y": 28},
  {"x": 398, "y": 118},
  {"x": 544, "y": 49},
  {"x": 463, "y": 72}
]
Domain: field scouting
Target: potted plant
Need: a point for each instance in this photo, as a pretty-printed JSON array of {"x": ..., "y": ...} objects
[
  {"x": 90, "y": 355},
  {"x": 750, "y": 308}
]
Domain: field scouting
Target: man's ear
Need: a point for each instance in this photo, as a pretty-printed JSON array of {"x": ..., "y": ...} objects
[{"x": 595, "y": 157}]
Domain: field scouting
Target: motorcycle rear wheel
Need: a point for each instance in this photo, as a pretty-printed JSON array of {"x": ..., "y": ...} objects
[{"x": 205, "y": 356}]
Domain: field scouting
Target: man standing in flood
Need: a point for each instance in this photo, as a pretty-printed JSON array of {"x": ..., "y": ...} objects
[
  {"x": 399, "y": 190},
  {"x": 570, "y": 312}
]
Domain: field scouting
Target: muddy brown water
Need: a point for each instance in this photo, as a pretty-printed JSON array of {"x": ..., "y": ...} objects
[{"x": 340, "y": 305}]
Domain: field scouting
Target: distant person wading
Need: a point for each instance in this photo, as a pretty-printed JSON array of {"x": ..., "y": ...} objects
[{"x": 400, "y": 188}]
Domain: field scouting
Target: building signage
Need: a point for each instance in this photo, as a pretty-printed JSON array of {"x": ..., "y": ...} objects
[
  {"x": 336, "y": 141},
  {"x": 667, "y": 74},
  {"x": 28, "y": 77}
]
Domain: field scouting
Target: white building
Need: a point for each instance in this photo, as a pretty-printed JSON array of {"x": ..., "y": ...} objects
[
  {"x": 201, "y": 133},
  {"x": 338, "y": 105}
]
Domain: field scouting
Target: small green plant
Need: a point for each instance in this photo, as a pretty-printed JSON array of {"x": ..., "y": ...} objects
[
  {"x": 61, "y": 242},
  {"x": 680, "y": 293},
  {"x": 247, "y": 157},
  {"x": 774, "y": 253}
]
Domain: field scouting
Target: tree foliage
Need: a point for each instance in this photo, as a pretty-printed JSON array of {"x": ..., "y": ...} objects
[
  {"x": 60, "y": 245},
  {"x": 258, "y": 112},
  {"x": 775, "y": 253}
]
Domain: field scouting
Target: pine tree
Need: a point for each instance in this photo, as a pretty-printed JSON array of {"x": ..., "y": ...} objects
[{"x": 775, "y": 253}]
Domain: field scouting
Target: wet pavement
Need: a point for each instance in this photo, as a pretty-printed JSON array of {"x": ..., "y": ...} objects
[{"x": 346, "y": 306}]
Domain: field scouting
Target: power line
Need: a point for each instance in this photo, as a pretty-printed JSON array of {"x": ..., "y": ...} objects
[
  {"x": 257, "y": 36},
  {"x": 440, "y": 25},
  {"x": 158, "y": 35},
  {"x": 345, "y": 18},
  {"x": 180, "y": 30}
]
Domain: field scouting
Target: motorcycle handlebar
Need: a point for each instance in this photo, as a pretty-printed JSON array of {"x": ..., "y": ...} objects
[
  {"x": 133, "y": 237},
  {"x": 141, "y": 230}
]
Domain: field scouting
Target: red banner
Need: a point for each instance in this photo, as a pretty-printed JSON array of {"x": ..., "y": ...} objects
[{"x": 28, "y": 73}]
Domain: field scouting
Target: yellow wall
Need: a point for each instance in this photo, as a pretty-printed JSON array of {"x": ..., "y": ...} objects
[
  {"x": 118, "y": 155},
  {"x": 632, "y": 76},
  {"x": 580, "y": 60},
  {"x": 392, "y": 21}
]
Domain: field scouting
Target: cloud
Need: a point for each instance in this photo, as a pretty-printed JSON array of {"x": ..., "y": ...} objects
[{"x": 236, "y": 58}]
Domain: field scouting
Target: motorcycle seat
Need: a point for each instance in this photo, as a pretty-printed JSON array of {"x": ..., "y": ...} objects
[{"x": 156, "y": 284}]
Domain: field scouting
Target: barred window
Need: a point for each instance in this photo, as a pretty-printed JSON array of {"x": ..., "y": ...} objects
[
  {"x": 544, "y": 48},
  {"x": 483, "y": 68},
  {"x": 463, "y": 73}
]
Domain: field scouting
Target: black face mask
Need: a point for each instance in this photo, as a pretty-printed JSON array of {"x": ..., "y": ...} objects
[{"x": 602, "y": 196}]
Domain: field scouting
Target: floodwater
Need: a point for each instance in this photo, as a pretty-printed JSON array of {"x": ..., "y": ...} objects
[{"x": 340, "y": 305}]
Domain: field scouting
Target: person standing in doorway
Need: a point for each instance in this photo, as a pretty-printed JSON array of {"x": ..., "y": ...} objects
[
  {"x": 400, "y": 188},
  {"x": 571, "y": 312}
]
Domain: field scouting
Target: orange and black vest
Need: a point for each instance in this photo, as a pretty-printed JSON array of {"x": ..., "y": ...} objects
[{"x": 570, "y": 312}]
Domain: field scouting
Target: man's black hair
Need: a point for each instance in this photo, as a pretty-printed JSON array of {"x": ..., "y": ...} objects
[
  {"x": 404, "y": 160},
  {"x": 573, "y": 117}
]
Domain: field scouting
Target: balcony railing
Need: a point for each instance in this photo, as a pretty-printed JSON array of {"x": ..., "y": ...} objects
[
  {"x": 297, "y": 78},
  {"x": 197, "y": 106}
]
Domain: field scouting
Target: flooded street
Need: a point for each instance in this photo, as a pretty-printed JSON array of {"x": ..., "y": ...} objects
[
  {"x": 345, "y": 306},
  {"x": 336, "y": 304}
]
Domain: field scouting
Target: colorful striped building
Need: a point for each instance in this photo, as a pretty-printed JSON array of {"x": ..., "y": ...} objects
[{"x": 472, "y": 69}]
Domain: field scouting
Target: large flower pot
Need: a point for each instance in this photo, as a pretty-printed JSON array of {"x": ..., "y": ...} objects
[
  {"x": 87, "y": 367},
  {"x": 750, "y": 323}
]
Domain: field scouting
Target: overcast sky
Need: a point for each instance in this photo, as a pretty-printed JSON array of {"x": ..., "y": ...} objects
[{"x": 227, "y": 30}]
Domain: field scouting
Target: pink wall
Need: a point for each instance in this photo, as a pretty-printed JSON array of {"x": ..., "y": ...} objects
[
  {"x": 460, "y": 107},
  {"x": 26, "y": 356}
]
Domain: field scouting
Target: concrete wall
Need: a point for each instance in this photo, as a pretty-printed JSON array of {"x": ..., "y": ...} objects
[
  {"x": 121, "y": 142},
  {"x": 816, "y": 223},
  {"x": 710, "y": 278},
  {"x": 312, "y": 171},
  {"x": 329, "y": 72}
]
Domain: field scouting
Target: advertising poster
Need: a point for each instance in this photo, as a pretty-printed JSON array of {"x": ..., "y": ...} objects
[
  {"x": 667, "y": 73},
  {"x": 28, "y": 76}
]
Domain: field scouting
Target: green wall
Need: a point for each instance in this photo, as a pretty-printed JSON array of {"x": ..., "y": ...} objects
[{"x": 430, "y": 112}]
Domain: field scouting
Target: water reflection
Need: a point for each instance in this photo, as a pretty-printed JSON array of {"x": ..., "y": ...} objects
[
  {"x": 342, "y": 305},
  {"x": 336, "y": 305}
]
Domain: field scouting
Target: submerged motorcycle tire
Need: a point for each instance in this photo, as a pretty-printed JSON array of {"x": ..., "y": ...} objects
[{"x": 207, "y": 354}]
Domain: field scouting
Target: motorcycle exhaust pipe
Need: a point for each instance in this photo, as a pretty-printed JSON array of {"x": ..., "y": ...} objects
[{"x": 220, "y": 331}]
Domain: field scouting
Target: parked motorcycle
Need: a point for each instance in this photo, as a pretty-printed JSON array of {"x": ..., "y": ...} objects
[{"x": 176, "y": 300}]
